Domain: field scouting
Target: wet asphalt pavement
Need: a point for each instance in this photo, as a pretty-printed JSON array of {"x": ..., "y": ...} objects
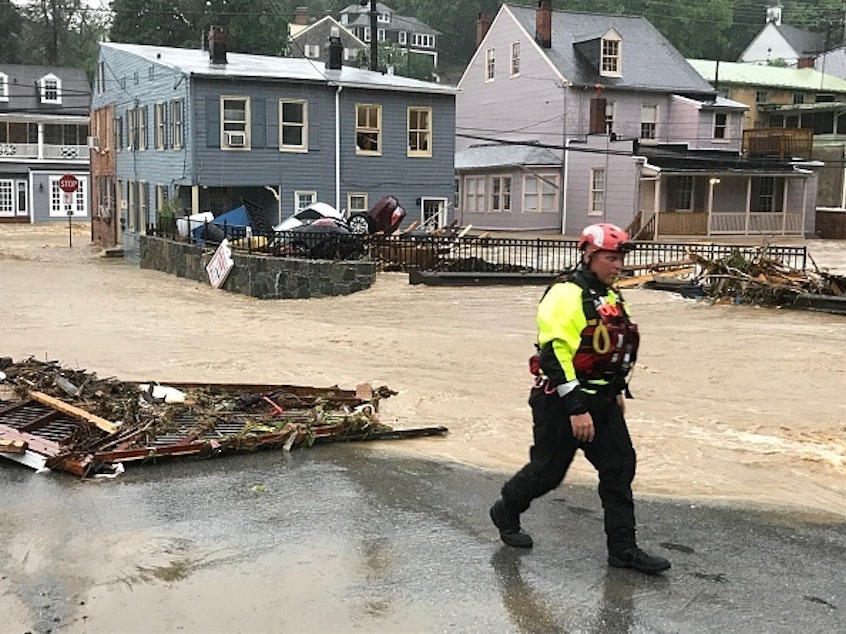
[{"x": 349, "y": 538}]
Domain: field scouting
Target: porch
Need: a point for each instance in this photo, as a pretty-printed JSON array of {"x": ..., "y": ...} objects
[{"x": 723, "y": 205}]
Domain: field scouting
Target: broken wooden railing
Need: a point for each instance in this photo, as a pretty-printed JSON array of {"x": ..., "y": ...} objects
[{"x": 71, "y": 420}]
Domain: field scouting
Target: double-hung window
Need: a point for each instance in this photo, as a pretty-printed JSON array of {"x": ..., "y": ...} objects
[
  {"x": 515, "y": 59},
  {"x": 649, "y": 122},
  {"x": 419, "y": 132},
  {"x": 490, "y": 64},
  {"x": 293, "y": 125},
  {"x": 176, "y": 124},
  {"x": 368, "y": 129},
  {"x": 158, "y": 126},
  {"x": 235, "y": 123},
  {"x": 597, "y": 192},
  {"x": 501, "y": 193},
  {"x": 720, "y": 125},
  {"x": 539, "y": 193},
  {"x": 474, "y": 194}
]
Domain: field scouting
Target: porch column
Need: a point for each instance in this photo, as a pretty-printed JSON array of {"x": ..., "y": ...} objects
[
  {"x": 195, "y": 199},
  {"x": 40, "y": 140},
  {"x": 784, "y": 206},
  {"x": 804, "y": 203},
  {"x": 656, "y": 206},
  {"x": 711, "y": 183},
  {"x": 748, "y": 205}
]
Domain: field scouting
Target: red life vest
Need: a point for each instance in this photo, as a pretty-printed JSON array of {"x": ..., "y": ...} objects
[{"x": 608, "y": 349}]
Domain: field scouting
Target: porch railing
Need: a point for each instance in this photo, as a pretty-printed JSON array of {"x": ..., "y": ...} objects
[
  {"x": 781, "y": 142},
  {"x": 741, "y": 223},
  {"x": 49, "y": 152}
]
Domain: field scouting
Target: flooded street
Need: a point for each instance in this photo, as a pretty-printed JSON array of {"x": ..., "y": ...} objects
[{"x": 732, "y": 404}]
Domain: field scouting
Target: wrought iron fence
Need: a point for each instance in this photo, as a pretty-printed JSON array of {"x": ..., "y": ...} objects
[{"x": 449, "y": 253}]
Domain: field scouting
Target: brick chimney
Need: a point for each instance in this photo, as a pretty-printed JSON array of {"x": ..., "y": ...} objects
[
  {"x": 301, "y": 16},
  {"x": 217, "y": 44},
  {"x": 543, "y": 24},
  {"x": 483, "y": 24},
  {"x": 805, "y": 62},
  {"x": 336, "y": 50}
]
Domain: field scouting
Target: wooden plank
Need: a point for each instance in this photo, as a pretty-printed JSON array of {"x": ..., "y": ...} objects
[
  {"x": 70, "y": 410},
  {"x": 12, "y": 446}
]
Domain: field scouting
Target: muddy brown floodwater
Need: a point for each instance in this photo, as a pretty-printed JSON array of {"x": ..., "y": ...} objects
[{"x": 731, "y": 402}]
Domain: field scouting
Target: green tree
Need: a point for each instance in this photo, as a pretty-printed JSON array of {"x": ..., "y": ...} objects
[
  {"x": 11, "y": 35},
  {"x": 254, "y": 26}
]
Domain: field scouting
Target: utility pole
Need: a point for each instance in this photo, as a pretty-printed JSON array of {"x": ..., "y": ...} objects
[{"x": 374, "y": 40}]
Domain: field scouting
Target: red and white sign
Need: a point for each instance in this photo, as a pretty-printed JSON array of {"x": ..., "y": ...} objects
[
  {"x": 220, "y": 265},
  {"x": 69, "y": 183}
]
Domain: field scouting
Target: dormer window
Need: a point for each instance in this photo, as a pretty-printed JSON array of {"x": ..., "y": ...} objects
[
  {"x": 611, "y": 61},
  {"x": 384, "y": 18},
  {"x": 4, "y": 87},
  {"x": 51, "y": 89}
]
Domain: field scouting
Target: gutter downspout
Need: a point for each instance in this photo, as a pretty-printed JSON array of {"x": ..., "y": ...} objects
[
  {"x": 565, "y": 186},
  {"x": 338, "y": 148}
]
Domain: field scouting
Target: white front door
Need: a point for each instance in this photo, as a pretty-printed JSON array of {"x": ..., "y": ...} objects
[{"x": 433, "y": 213}]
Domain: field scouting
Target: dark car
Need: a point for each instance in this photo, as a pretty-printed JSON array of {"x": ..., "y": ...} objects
[
  {"x": 384, "y": 217},
  {"x": 325, "y": 238}
]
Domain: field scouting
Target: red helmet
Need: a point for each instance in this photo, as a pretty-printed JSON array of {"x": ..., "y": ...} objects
[{"x": 606, "y": 237}]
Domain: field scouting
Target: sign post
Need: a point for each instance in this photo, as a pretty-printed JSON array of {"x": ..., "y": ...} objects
[{"x": 69, "y": 184}]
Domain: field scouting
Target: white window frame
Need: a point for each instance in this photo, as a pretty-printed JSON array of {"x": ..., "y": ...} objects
[
  {"x": 383, "y": 18},
  {"x": 380, "y": 35},
  {"x": 402, "y": 38},
  {"x": 131, "y": 133},
  {"x": 357, "y": 197},
  {"x": 475, "y": 195},
  {"x": 490, "y": 64},
  {"x": 762, "y": 96},
  {"x": 423, "y": 40},
  {"x": 52, "y": 83},
  {"x": 7, "y": 198},
  {"x": 303, "y": 198},
  {"x": 302, "y": 125},
  {"x": 79, "y": 198},
  {"x": 419, "y": 137},
  {"x": 721, "y": 130},
  {"x": 368, "y": 128},
  {"x": 540, "y": 193},
  {"x": 4, "y": 87},
  {"x": 501, "y": 194},
  {"x": 365, "y": 36},
  {"x": 236, "y": 126},
  {"x": 648, "y": 122},
  {"x": 611, "y": 58},
  {"x": 312, "y": 51},
  {"x": 610, "y": 112},
  {"x": 158, "y": 125},
  {"x": 515, "y": 59},
  {"x": 176, "y": 131},
  {"x": 141, "y": 122},
  {"x": 598, "y": 182}
]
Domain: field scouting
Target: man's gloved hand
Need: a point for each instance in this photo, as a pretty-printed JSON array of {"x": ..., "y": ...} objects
[{"x": 582, "y": 426}]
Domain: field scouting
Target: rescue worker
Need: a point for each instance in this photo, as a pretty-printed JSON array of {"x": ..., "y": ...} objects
[{"x": 587, "y": 346}]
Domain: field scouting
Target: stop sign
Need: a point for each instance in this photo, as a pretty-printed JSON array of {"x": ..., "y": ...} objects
[{"x": 69, "y": 183}]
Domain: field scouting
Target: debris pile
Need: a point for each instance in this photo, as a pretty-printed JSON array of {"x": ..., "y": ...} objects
[
  {"x": 744, "y": 278},
  {"x": 60, "y": 418}
]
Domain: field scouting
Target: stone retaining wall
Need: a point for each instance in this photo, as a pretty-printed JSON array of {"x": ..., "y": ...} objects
[{"x": 258, "y": 275}]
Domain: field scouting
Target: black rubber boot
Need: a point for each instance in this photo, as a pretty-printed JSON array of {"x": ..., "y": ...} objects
[
  {"x": 633, "y": 557},
  {"x": 509, "y": 526}
]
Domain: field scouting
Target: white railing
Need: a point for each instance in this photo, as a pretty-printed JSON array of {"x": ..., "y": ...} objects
[
  {"x": 771, "y": 223},
  {"x": 49, "y": 152},
  {"x": 18, "y": 150},
  {"x": 66, "y": 152}
]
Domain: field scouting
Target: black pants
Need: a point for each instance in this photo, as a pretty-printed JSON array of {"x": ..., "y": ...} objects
[{"x": 611, "y": 453}]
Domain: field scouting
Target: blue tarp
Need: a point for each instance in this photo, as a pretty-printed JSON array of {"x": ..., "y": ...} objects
[{"x": 235, "y": 220}]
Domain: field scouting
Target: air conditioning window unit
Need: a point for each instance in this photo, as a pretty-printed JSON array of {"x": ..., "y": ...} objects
[
  {"x": 94, "y": 142},
  {"x": 236, "y": 139}
]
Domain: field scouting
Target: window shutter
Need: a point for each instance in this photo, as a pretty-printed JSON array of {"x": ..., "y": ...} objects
[
  {"x": 272, "y": 121},
  {"x": 165, "y": 127},
  {"x": 257, "y": 124},
  {"x": 313, "y": 125},
  {"x": 212, "y": 122}
]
